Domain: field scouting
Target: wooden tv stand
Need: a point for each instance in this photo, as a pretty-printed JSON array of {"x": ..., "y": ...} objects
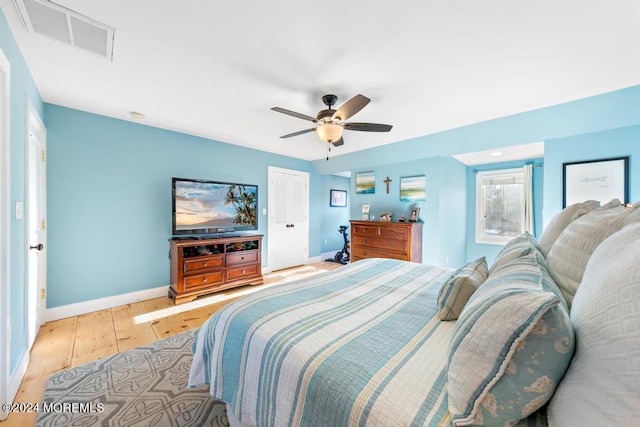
[{"x": 202, "y": 266}]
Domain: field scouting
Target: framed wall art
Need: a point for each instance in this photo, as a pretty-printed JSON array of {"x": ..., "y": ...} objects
[
  {"x": 365, "y": 183},
  {"x": 338, "y": 198},
  {"x": 413, "y": 188},
  {"x": 601, "y": 180}
]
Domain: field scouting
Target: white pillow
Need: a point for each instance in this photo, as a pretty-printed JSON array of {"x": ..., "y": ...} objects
[
  {"x": 571, "y": 252},
  {"x": 561, "y": 220},
  {"x": 602, "y": 385}
]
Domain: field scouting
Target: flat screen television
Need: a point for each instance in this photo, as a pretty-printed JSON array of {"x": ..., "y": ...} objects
[{"x": 212, "y": 207}]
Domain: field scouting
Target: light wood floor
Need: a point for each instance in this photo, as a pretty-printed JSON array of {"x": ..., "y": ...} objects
[{"x": 74, "y": 341}]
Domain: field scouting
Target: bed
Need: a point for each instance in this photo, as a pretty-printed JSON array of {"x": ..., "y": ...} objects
[
  {"x": 382, "y": 342},
  {"x": 364, "y": 330}
]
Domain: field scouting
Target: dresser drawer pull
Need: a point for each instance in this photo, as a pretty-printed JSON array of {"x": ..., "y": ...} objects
[
  {"x": 205, "y": 264},
  {"x": 243, "y": 271},
  {"x": 205, "y": 279}
]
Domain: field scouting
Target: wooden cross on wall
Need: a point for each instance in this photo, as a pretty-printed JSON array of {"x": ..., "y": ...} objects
[{"x": 387, "y": 181}]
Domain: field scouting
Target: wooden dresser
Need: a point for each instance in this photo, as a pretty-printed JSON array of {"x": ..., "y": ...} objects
[
  {"x": 202, "y": 266},
  {"x": 397, "y": 240}
]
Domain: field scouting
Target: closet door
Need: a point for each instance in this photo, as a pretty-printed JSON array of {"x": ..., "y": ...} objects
[{"x": 288, "y": 229}]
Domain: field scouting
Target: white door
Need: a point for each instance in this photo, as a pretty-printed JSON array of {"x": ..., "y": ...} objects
[
  {"x": 5, "y": 221},
  {"x": 288, "y": 218},
  {"x": 36, "y": 223}
]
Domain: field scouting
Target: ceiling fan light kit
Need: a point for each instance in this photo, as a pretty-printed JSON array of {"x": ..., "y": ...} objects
[
  {"x": 331, "y": 123},
  {"x": 329, "y": 132}
]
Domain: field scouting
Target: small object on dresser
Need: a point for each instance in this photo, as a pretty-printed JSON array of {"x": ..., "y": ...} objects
[
  {"x": 414, "y": 215},
  {"x": 402, "y": 218},
  {"x": 385, "y": 216}
]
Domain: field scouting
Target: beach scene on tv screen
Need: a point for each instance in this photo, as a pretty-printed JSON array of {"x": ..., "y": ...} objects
[{"x": 214, "y": 205}]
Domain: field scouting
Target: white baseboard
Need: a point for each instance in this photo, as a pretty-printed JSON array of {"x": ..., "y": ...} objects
[
  {"x": 85, "y": 307},
  {"x": 18, "y": 376}
]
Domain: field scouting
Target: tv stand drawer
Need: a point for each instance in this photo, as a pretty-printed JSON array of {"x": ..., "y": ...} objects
[
  {"x": 240, "y": 272},
  {"x": 241, "y": 258},
  {"x": 210, "y": 279},
  {"x": 203, "y": 263}
]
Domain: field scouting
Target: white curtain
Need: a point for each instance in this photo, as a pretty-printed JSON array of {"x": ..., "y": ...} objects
[{"x": 528, "y": 198}]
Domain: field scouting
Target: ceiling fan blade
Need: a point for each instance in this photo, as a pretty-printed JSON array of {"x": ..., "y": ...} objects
[
  {"x": 338, "y": 142},
  {"x": 300, "y": 132},
  {"x": 367, "y": 127},
  {"x": 351, "y": 107},
  {"x": 294, "y": 114}
]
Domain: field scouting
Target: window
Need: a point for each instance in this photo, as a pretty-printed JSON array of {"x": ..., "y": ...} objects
[{"x": 500, "y": 205}]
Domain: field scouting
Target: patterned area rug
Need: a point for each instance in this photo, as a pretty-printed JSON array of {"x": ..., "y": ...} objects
[{"x": 145, "y": 386}]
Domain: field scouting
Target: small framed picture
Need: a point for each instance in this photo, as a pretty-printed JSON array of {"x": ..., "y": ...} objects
[
  {"x": 414, "y": 215},
  {"x": 365, "y": 212},
  {"x": 338, "y": 198}
]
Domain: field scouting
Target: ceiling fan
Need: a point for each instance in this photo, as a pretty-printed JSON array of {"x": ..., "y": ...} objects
[{"x": 332, "y": 122}]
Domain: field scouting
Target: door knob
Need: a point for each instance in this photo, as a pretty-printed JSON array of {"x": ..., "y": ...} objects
[{"x": 39, "y": 246}]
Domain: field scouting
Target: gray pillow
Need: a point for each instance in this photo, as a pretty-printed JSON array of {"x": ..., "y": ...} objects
[
  {"x": 571, "y": 252},
  {"x": 562, "y": 219},
  {"x": 601, "y": 387}
]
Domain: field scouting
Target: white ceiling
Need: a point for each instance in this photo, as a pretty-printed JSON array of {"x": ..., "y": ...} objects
[
  {"x": 214, "y": 69},
  {"x": 504, "y": 154}
]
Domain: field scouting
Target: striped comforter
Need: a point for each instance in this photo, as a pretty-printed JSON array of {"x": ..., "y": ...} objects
[{"x": 361, "y": 345}]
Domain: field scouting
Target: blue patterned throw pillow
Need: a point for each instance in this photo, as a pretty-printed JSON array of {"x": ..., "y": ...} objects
[{"x": 511, "y": 346}]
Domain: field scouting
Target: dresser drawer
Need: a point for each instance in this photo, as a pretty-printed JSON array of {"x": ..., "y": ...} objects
[
  {"x": 241, "y": 258},
  {"x": 194, "y": 265},
  {"x": 360, "y": 252},
  {"x": 394, "y": 233},
  {"x": 380, "y": 243},
  {"x": 210, "y": 279},
  {"x": 365, "y": 230},
  {"x": 240, "y": 272}
]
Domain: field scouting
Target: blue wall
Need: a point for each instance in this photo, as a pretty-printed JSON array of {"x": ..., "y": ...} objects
[
  {"x": 23, "y": 90},
  {"x": 476, "y": 250},
  {"x": 110, "y": 199},
  {"x": 333, "y": 217},
  {"x": 443, "y": 212},
  {"x": 598, "y": 145}
]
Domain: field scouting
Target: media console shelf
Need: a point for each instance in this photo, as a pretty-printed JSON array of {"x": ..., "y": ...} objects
[{"x": 202, "y": 266}]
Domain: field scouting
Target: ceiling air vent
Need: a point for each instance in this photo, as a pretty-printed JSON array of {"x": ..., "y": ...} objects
[{"x": 65, "y": 25}]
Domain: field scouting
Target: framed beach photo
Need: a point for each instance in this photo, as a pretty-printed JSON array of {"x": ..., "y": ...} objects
[
  {"x": 365, "y": 183},
  {"x": 338, "y": 198},
  {"x": 413, "y": 188},
  {"x": 601, "y": 180}
]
